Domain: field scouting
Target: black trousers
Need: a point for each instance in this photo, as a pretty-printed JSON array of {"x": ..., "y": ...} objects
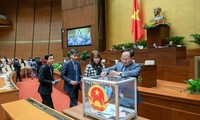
[
  {"x": 47, "y": 100},
  {"x": 18, "y": 76}
]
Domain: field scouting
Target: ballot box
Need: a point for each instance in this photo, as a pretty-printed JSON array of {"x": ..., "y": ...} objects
[{"x": 109, "y": 98}]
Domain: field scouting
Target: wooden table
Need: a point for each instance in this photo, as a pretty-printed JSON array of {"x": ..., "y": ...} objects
[
  {"x": 23, "y": 110},
  {"x": 77, "y": 113}
]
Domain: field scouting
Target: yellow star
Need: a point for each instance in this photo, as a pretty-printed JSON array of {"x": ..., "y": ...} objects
[
  {"x": 96, "y": 92},
  {"x": 135, "y": 15}
]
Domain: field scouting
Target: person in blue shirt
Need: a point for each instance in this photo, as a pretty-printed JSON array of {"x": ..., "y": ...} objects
[
  {"x": 132, "y": 69},
  {"x": 125, "y": 68}
]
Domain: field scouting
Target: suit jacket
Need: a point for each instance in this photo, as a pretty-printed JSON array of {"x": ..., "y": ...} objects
[
  {"x": 45, "y": 78},
  {"x": 17, "y": 66},
  {"x": 68, "y": 74},
  {"x": 133, "y": 70}
]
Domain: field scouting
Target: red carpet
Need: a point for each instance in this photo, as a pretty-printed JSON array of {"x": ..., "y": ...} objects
[{"x": 28, "y": 88}]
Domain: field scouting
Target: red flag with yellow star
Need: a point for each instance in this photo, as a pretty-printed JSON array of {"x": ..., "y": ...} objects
[{"x": 136, "y": 23}]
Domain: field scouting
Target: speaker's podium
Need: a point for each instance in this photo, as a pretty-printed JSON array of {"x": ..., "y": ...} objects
[{"x": 157, "y": 35}]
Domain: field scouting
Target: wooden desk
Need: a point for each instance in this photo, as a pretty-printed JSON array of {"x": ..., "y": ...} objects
[
  {"x": 7, "y": 95},
  {"x": 24, "y": 110},
  {"x": 77, "y": 113},
  {"x": 3, "y": 84},
  {"x": 162, "y": 56},
  {"x": 168, "y": 101},
  {"x": 148, "y": 75}
]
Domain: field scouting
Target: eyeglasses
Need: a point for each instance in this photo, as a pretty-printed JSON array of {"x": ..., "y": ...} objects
[{"x": 125, "y": 59}]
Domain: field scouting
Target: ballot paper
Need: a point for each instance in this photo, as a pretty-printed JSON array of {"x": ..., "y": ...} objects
[
  {"x": 110, "y": 111},
  {"x": 108, "y": 90}
]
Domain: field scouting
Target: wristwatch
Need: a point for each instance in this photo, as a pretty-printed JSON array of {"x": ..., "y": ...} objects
[{"x": 120, "y": 74}]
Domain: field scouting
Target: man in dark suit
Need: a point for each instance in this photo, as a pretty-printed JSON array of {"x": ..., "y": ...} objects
[
  {"x": 39, "y": 64},
  {"x": 71, "y": 74},
  {"x": 46, "y": 79},
  {"x": 17, "y": 67}
]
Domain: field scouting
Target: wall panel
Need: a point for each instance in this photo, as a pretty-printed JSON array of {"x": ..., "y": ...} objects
[
  {"x": 39, "y": 23},
  {"x": 32, "y": 28},
  {"x": 182, "y": 14},
  {"x": 42, "y": 27},
  {"x": 24, "y": 31},
  {"x": 55, "y": 46},
  {"x": 71, "y": 4},
  {"x": 7, "y": 36},
  {"x": 78, "y": 13}
]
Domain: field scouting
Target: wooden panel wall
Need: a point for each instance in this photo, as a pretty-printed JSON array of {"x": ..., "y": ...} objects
[
  {"x": 78, "y": 13},
  {"x": 42, "y": 27},
  {"x": 24, "y": 28},
  {"x": 55, "y": 46},
  {"x": 36, "y": 28},
  {"x": 7, "y": 36}
]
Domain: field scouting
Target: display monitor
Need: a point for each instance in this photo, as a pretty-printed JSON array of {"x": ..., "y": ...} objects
[{"x": 79, "y": 36}]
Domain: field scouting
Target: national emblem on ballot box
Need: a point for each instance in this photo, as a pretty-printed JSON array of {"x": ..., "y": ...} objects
[{"x": 113, "y": 98}]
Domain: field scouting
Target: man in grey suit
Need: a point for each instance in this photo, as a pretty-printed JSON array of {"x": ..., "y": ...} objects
[
  {"x": 71, "y": 74},
  {"x": 126, "y": 68},
  {"x": 46, "y": 79}
]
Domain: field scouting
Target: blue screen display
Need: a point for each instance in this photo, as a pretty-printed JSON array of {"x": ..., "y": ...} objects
[{"x": 79, "y": 37}]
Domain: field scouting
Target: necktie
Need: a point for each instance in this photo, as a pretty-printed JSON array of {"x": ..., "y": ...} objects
[
  {"x": 76, "y": 71},
  {"x": 125, "y": 68},
  {"x": 51, "y": 71}
]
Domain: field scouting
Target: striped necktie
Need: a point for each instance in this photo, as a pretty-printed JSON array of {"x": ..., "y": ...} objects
[
  {"x": 124, "y": 68},
  {"x": 76, "y": 71}
]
